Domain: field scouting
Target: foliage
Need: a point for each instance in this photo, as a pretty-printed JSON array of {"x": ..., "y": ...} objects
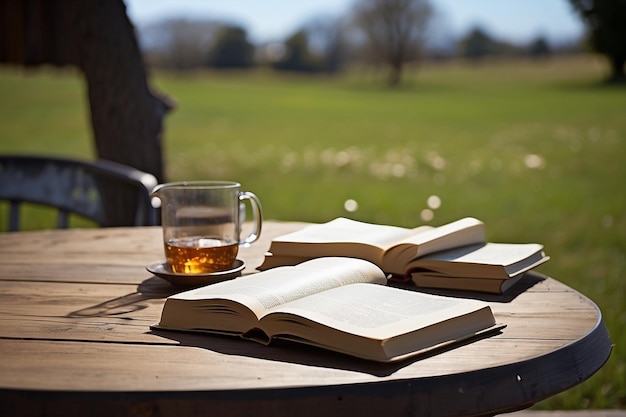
[
  {"x": 327, "y": 39},
  {"x": 179, "y": 44},
  {"x": 535, "y": 149},
  {"x": 539, "y": 48},
  {"x": 477, "y": 45},
  {"x": 298, "y": 56},
  {"x": 394, "y": 31},
  {"x": 606, "y": 21},
  {"x": 375, "y": 33},
  {"x": 232, "y": 49}
]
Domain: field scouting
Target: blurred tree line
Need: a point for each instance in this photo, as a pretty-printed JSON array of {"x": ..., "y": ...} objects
[
  {"x": 606, "y": 21},
  {"x": 385, "y": 33}
]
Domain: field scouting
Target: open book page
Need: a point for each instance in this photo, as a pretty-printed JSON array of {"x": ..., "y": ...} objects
[
  {"x": 457, "y": 231},
  {"x": 383, "y": 319},
  {"x": 462, "y": 232},
  {"x": 346, "y": 230},
  {"x": 340, "y": 237},
  {"x": 267, "y": 290}
]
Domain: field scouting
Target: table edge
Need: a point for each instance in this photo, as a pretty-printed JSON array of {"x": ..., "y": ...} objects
[{"x": 521, "y": 385}]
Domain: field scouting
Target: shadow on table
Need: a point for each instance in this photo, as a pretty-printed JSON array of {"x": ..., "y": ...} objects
[
  {"x": 298, "y": 353},
  {"x": 302, "y": 354},
  {"x": 283, "y": 351},
  {"x": 157, "y": 288},
  {"x": 151, "y": 289},
  {"x": 529, "y": 280}
]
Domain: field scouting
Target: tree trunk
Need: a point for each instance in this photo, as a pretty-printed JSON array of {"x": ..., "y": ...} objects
[
  {"x": 127, "y": 118},
  {"x": 617, "y": 69},
  {"x": 97, "y": 37},
  {"x": 395, "y": 74}
]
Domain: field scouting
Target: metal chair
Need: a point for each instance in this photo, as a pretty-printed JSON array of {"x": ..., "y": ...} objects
[{"x": 93, "y": 190}]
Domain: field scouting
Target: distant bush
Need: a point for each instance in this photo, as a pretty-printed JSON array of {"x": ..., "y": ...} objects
[{"x": 232, "y": 49}]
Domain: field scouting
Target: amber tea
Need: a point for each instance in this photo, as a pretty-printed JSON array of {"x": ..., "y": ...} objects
[
  {"x": 198, "y": 255},
  {"x": 202, "y": 223}
]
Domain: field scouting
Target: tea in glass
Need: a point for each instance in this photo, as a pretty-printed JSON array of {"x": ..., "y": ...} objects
[
  {"x": 202, "y": 224},
  {"x": 199, "y": 255}
]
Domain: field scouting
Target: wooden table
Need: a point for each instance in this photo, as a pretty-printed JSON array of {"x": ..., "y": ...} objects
[{"x": 75, "y": 311}]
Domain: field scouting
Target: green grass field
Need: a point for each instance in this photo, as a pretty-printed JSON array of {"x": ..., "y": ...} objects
[{"x": 536, "y": 150}]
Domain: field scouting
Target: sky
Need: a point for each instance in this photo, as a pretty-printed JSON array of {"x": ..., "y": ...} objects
[{"x": 273, "y": 20}]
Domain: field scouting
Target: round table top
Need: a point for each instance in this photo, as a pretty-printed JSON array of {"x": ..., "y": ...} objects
[{"x": 77, "y": 306}]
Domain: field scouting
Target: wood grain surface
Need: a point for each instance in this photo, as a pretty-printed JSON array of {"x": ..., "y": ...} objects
[{"x": 76, "y": 308}]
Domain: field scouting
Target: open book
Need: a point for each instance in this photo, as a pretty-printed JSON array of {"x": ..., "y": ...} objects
[
  {"x": 340, "y": 304},
  {"x": 455, "y": 255}
]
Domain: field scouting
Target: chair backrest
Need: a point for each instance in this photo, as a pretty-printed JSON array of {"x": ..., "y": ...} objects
[{"x": 79, "y": 187}]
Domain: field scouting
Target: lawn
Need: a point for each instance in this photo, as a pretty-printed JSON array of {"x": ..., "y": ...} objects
[{"x": 535, "y": 149}]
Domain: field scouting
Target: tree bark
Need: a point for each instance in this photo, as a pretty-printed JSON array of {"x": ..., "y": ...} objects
[
  {"x": 127, "y": 118},
  {"x": 617, "y": 69},
  {"x": 97, "y": 37},
  {"x": 395, "y": 74}
]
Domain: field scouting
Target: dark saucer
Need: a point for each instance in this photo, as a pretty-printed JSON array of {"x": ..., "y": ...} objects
[{"x": 162, "y": 270}]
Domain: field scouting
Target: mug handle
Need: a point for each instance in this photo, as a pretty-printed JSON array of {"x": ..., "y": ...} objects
[{"x": 257, "y": 215}]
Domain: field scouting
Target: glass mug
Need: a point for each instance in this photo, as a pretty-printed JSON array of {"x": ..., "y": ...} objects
[{"x": 202, "y": 224}]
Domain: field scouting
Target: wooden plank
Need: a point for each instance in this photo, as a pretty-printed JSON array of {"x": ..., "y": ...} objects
[
  {"x": 113, "y": 255},
  {"x": 80, "y": 272},
  {"x": 217, "y": 363},
  {"x": 96, "y": 241},
  {"x": 120, "y": 240},
  {"x": 123, "y": 313},
  {"x": 233, "y": 377},
  {"x": 276, "y": 380},
  {"x": 82, "y": 311},
  {"x": 76, "y": 321}
]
